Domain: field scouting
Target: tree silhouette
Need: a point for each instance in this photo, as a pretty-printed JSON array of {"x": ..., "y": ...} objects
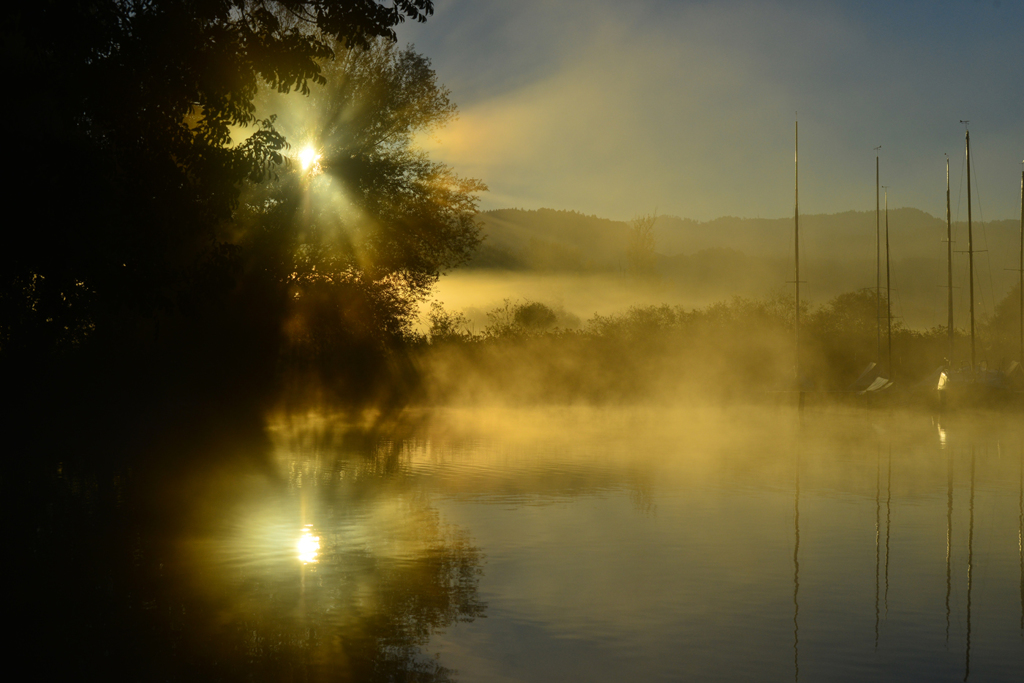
[
  {"x": 361, "y": 231},
  {"x": 390, "y": 209},
  {"x": 123, "y": 155}
]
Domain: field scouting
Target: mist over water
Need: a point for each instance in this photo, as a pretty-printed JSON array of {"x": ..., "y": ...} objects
[{"x": 659, "y": 542}]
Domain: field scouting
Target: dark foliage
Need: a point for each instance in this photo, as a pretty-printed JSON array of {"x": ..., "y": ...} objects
[
  {"x": 122, "y": 148},
  {"x": 131, "y": 172},
  {"x": 367, "y": 228}
]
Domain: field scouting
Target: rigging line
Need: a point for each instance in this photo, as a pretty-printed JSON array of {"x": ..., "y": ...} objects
[
  {"x": 990, "y": 305},
  {"x": 900, "y": 313},
  {"x": 964, "y": 298},
  {"x": 895, "y": 293},
  {"x": 977, "y": 188},
  {"x": 957, "y": 224},
  {"x": 960, "y": 190}
]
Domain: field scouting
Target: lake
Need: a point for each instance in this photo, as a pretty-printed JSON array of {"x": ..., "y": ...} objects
[{"x": 546, "y": 544}]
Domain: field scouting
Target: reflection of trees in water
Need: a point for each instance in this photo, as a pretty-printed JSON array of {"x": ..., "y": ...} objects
[
  {"x": 356, "y": 617},
  {"x": 119, "y": 585},
  {"x": 389, "y": 574}
]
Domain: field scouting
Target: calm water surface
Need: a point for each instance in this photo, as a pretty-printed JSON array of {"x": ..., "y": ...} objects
[{"x": 586, "y": 544}]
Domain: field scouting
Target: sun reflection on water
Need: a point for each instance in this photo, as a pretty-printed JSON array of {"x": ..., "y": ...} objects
[{"x": 308, "y": 546}]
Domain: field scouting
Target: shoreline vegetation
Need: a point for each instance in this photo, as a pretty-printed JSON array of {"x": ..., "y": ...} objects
[
  {"x": 730, "y": 350},
  {"x": 739, "y": 350}
]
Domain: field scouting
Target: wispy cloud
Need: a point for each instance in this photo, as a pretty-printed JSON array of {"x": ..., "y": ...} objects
[{"x": 615, "y": 108}]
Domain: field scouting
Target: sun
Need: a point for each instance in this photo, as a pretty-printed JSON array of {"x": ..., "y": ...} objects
[{"x": 309, "y": 159}]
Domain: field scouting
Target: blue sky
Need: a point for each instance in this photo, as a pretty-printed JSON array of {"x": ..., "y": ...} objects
[{"x": 687, "y": 108}]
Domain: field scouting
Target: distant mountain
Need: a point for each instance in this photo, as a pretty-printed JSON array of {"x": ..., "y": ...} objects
[
  {"x": 752, "y": 256},
  {"x": 547, "y": 239}
]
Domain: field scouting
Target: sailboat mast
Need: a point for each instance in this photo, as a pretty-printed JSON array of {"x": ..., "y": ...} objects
[
  {"x": 970, "y": 245},
  {"x": 878, "y": 270},
  {"x": 888, "y": 290},
  {"x": 796, "y": 237},
  {"x": 949, "y": 267}
]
